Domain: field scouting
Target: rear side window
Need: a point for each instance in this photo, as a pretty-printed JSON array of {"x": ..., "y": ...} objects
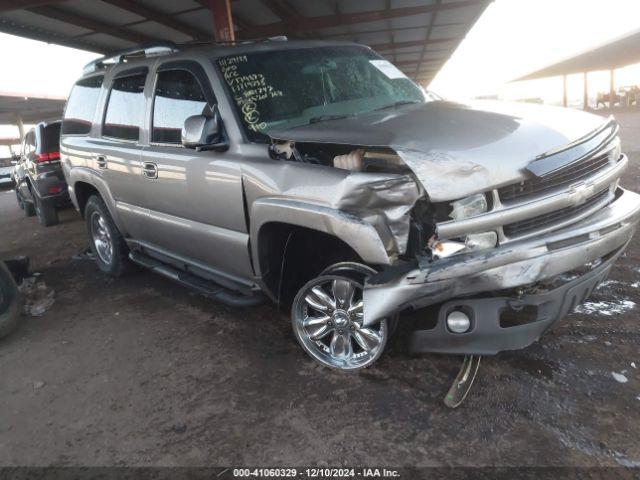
[
  {"x": 81, "y": 106},
  {"x": 50, "y": 138},
  {"x": 125, "y": 109},
  {"x": 29, "y": 143},
  {"x": 178, "y": 95}
]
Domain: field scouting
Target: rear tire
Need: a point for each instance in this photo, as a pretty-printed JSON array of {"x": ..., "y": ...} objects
[
  {"x": 26, "y": 206},
  {"x": 107, "y": 243},
  {"x": 19, "y": 199},
  {"x": 46, "y": 212}
]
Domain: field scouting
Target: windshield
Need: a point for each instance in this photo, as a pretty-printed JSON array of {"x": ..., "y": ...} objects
[{"x": 288, "y": 88}]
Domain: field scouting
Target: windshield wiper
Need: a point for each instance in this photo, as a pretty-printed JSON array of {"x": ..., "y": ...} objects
[
  {"x": 324, "y": 118},
  {"x": 398, "y": 104}
]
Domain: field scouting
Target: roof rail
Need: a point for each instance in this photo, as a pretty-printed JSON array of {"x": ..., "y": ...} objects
[
  {"x": 146, "y": 50},
  {"x": 248, "y": 41}
]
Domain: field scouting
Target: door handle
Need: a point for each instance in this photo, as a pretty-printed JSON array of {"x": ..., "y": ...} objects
[
  {"x": 101, "y": 161},
  {"x": 150, "y": 170}
]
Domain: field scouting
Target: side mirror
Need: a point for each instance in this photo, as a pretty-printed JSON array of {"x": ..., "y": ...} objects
[{"x": 204, "y": 132}]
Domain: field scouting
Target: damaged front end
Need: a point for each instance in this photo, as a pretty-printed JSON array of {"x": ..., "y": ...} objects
[
  {"x": 485, "y": 240},
  {"x": 487, "y": 243},
  {"x": 511, "y": 262}
]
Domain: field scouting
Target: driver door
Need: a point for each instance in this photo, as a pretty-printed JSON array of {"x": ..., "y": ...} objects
[{"x": 194, "y": 197}]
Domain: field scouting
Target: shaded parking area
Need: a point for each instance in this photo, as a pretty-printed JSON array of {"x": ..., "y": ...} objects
[{"x": 140, "y": 371}]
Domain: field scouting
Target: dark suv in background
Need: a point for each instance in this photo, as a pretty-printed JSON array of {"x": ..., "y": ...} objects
[{"x": 40, "y": 185}]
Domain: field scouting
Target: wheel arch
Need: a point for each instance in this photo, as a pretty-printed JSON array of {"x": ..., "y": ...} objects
[
  {"x": 292, "y": 241},
  {"x": 83, "y": 190},
  {"x": 84, "y": 182}
]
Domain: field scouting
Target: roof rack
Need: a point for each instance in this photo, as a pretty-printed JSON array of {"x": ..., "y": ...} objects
[
  {"x": 249, "y": 41},
  {"x": 161, "y": 48},
  {"x": 146, "y": 50}
]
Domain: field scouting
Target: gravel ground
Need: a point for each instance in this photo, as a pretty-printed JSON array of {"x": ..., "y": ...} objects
[{"x": 140, "y": 371}]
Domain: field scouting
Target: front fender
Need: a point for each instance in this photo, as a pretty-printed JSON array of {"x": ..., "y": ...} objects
[{"x": 354, "y": 231}]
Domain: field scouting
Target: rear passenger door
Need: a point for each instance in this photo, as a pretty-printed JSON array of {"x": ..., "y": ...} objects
[
  {"x": 117, "y": 152},
  {"x": 194, "y": 198}
]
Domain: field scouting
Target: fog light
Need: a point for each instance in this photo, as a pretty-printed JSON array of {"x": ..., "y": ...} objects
[{"x": 458, "y": 322}]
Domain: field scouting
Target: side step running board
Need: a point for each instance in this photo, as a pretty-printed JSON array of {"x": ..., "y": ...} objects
[{"x": 205, "y": 287}]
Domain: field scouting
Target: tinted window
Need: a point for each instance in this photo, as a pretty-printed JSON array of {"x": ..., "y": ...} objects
[
  {"x": 125, "y": 109},
  {"x": 178, "y": 95},
  {"x": 29, "y": 142},
  {"x": 81, "y": 106},
  {"x": 51, "y": 138}
]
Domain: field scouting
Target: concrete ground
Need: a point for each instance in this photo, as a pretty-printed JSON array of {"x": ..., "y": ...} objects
[{"x": 140, "y": 371}]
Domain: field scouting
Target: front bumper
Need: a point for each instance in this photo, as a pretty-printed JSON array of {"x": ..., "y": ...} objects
[
  {"x": 489, "y": 336},
  {"x": 600, "y": 237}
]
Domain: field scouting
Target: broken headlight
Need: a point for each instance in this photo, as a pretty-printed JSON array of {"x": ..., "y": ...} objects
[
  {"x": 469, "y": 207},
  {"x": 471, "y": 243}
]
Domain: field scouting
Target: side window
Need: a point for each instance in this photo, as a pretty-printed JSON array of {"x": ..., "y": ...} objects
[
  {"x": 81, "y": 106},
  {"x": 178, "y": 95},
  {"x": 30, "y": 142},
  {"x": 125, "y": 108}
]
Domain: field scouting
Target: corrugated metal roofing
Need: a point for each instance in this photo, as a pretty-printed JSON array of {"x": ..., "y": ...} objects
[{"x": 418, "y": 35}]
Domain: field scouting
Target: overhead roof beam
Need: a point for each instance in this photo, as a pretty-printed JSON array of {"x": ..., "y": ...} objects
[
  {"x": 160, "y": 17},
  {"x": 432, "y": 22},
  {"x": 48, "y": 37},
  {"x": 97, "y": 27},
  {"x": 282, "y": 9},
  {"x": 7, "y": 5},
  {"x": 416, "y": 43},
  {"x": 287, "y": 13},
  {"x": 387, "y": 30},
  {"x": 328, "y": 21}
]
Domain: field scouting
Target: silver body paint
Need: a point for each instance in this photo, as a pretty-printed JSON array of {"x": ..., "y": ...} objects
[{"x": 208, "y": 208}]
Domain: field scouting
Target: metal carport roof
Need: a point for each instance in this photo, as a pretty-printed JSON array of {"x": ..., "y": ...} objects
[
  {"x": 620, "y": 52},
  {"x": 29, "y": 108},
  {"x": 417, "y": 35}
]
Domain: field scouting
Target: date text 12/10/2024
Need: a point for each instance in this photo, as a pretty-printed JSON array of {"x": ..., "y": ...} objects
[{"x": 315, "y": 473}]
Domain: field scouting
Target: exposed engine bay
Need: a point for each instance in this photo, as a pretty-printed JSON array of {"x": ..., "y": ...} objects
[
  {"x": 422, "y": 239},
  {"x": 346, "y": 157}
]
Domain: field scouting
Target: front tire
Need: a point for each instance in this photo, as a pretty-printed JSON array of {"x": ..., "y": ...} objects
[
  {"x": 107, "y": 243},
  {"x": 327, "y": 318}
]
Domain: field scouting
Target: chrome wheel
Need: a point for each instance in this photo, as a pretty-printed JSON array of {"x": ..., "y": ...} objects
[
  {"x": 101, "y": 238},
  {"x": 327, "y": 319}
]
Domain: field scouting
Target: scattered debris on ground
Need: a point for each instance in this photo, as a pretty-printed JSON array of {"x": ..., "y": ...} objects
[
  {"x": 38, "y": 297},
  {"x": 607, "y": 308},
  {"x": 85, "y": 254},
  {"x": 620, "y": 378}
]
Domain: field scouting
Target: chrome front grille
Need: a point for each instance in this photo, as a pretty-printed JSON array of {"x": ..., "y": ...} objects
[
  {"x": 548, "y": 202},
  {"x": 542, "y": 222},
  {"x": 566, "y": 176}
]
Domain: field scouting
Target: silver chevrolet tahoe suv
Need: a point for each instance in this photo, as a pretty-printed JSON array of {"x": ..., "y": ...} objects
[{"x": 317, "y": 175}]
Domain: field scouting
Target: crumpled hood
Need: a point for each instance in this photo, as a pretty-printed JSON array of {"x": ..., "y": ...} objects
[{"x": 457, "y": 149}]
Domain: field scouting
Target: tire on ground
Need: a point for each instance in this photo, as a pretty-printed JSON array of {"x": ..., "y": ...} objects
[{"x": 119, "y": 259}]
